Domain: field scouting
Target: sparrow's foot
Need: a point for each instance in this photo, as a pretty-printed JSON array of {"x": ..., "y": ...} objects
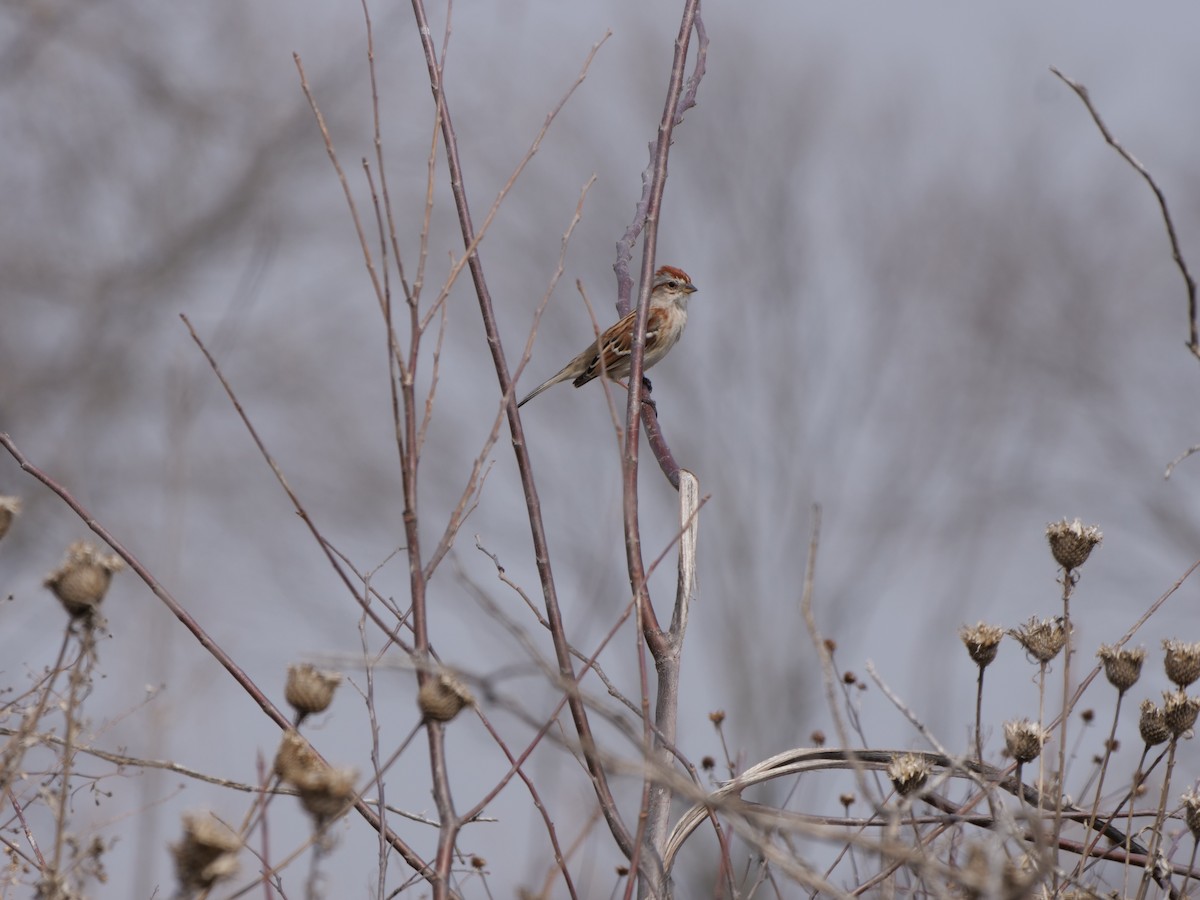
[{"x": 647, "y": 400}]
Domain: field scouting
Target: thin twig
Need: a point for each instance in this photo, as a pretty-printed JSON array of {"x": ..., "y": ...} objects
[
  {"x": 599, "y": 778},
  {"x": 1193, "y": 343}
]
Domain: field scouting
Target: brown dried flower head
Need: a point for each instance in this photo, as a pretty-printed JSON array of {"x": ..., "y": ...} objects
[
  {"x": 10, "y": 508},
  {"x": 327, "y": 793},
  {"x": 1182, "y": 662},
  {"x": 1072, "y": 542},
  {"x": 295, "y": 760},
  {"x": 908, "y": 773},
  {"x": 1122, "y": 667},
  {"x": 1043, "y": 639},
  {"x": 81, "y": 582},
  {"x": 309, "y": 690},
  {"x": 1191, "y": 813},
  {"x": 207, "y": 853},
  {"x": 1179, "y": 711},
  {"x": 1152, "y": 724},
  {"x": 443, "y": 696},
  {"x": 982, "y": 642},
  {"x": 1024, "y": 740}
]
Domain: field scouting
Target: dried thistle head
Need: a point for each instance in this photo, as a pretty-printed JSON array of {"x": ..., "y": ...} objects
[
  {"x": 908, "y": 773},
  {"x": 81, "y": 582},
  {"x": 443, "y": 696},
  {"x": 10, "y": 508},
  {"x": 1179, "y": 711},
  {"x": 325, "y": 792},
  {"x": 295, "y": 760},
  {"x": 1122, "y": 667},
  {"x": 1191, "y": 812},
  {"x": 982, "y": 641},
  {"x": 1043, "y": 639},
  {"x": 328, "y": 793},
  {"x": 1182, "y": 662},
  {"x": 1152, "y": 724},
  {"x": 1024, "y": 740},
  {"x": 1072, "y": 542},
  {"x": 309, "y": 690},
  {"x": 207, "y": 853}
]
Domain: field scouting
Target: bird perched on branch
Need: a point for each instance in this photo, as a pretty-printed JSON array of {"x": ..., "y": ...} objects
[{"x": 609, "y": 354}]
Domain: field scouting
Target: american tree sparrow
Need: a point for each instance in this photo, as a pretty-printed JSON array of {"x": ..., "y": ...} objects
[{"x": 610, "y": 353}]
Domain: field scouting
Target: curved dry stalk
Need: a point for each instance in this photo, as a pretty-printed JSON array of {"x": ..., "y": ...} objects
[{"x": 726, "y": 798}]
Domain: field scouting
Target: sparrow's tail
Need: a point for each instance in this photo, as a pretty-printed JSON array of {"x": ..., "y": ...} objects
[{"x": 561, "y": 376}]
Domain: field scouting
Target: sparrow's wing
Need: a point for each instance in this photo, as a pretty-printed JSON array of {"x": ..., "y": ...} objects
[{"x": 616, "y": 346}]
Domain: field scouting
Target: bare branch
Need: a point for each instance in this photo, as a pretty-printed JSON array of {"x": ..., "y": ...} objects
[
  {"x": 579, "y": 713},
  {"x": 1193, "y": 343}
]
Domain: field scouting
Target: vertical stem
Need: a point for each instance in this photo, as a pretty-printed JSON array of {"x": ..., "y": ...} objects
[
  {"x": 1156, "y": 831},
  {"x": 1068, "y": 582},
  {"x": 979, "y": 715},
  {"x": 1091, "y": 820}
]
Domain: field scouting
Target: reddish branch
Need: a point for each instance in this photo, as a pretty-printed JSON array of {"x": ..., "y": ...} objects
[
  {"x": 524, "y": 465},
  {"x": 665, "y": 647}
]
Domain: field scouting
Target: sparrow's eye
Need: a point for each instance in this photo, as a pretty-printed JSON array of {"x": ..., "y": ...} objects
[{"x": 672, "y": 284}]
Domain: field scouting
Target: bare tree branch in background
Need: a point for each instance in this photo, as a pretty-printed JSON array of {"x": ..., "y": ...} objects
[{"x": 1193, "y": 343}]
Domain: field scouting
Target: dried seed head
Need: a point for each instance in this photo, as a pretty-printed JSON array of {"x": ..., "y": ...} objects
[
  {"x": 309, "y": 690},
  {"x": 1182, "y": 662},
  {"x": 1179, "y": 711},
  {"x": 443, "y": 696},
  {"x": 1072, "y": 542},
  {"x": 1024, "y": 740},
  {"x": 1043, "y": 639},
  {"x": 295, "y": 760},
  {"x": 1191, "y": 813},
  {"x": 327, "y": 793},
  {"x": 207, "y": 853},
  {"x": 10, "y": 508},
  {"x": 982, "y": 642},
  {"x": 1123, "y": 667},
  {"x": 1152, "y": 724},
  {"x": 717, "y": 717},
  {"x": 908, "y": 773},
  {"x": 81, "y": 582}
]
